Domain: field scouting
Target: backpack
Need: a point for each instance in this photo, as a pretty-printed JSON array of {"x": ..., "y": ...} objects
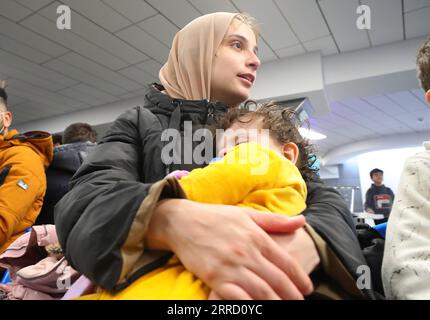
[{"x": 372, "y": 241}]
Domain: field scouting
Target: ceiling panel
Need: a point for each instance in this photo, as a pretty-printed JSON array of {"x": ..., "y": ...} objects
[
  {"x": 305, "y": 18},
  {"x": 410, "y": 5},
  {"x": 180, "y": 12},
  {"x": 86, "y": 29},
  {"x": 386, "y": 21},
  {"x": 44, "y": 26},
  {"x": 82, "y": 76},
  {"x": 326, "y": 45},
  {"x": 44, "y": 97},
  {"x": 138, "y": 75},
  {"x": 358, "y": 105},
  {"x": 341, "y": 16},
  {"x": 341, "y": 136},
  {"x": 23, "y": 112},
  {"x": 408, "y": 101},
  {"x": 13, "y": 100},
  {"x": 342, "y": 109},
  {"x": 13, "y": 10},
  {"x": 151, "y": 66},
  {"x": 79, "y": 96},
  {"x": 134, "y": 10},
  {"x": 161, "y": 28},
  {"x": 133, "y": 94},
  {"x": 145, "y": 43},
  {"x": 100, "y": 13},
  {"x": 34, "y": 4},
  {"x": 274, "y": 28},
  {"x": 210, "y": 6},
  {"x": 99, "y": 71},
  {"x": 40, "y": 110},
  {"x": 30, "y": 38},
  {"x": 35, "y": 69},
  {"x": 93, "y": 92},
  {"x": 383, "y": 103},
  {"x": 417, "y": 23},
  {"x": 16, "y": 73},
  {"x": 290, "y": 51},
  {"x": 22, "y": 50},
  {"x": 425, "y": 114},
  {"x": 88, "y": 95}
]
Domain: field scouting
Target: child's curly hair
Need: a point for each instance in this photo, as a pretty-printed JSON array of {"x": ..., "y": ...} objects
[
  {"x": 423, "y": 64},
  {"x": 283, "y": 125}
]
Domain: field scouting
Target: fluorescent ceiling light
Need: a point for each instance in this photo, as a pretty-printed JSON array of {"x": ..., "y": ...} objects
[{"x": 311, "y": 135}]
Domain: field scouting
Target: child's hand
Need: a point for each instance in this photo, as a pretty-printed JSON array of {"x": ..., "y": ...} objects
[
  {"x": 214, "y": 296},
  {"x": 178, "y": 174}
]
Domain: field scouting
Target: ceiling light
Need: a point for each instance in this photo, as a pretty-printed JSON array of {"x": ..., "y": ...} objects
[{"x": 311, "y": 135}]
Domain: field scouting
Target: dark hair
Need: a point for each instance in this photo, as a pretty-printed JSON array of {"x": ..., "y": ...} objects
[
  {"x": 3, "y": 97},
  {"x": 79, "y": 132},
  {"x": 376, "y": 170},
  {"x": 57, "y": 138},
  {"x": 283, "y": 125},
  {"x": 423, "y": 64}
]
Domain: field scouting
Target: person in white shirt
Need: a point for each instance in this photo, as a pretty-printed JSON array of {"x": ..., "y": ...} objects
[{"x": 406, "y": 262}]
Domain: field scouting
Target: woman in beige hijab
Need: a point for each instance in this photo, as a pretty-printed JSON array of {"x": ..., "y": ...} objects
[{"x": 121, "y": 220}]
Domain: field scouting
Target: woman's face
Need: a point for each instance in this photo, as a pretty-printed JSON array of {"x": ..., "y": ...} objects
[{"x": 235, "y": 65}]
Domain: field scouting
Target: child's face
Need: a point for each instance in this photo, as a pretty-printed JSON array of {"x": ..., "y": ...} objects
[
  {"x": 251, "y": 131},
  {"x": 378, "y": 177}
]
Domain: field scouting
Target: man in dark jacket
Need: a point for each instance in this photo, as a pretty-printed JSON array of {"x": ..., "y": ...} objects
[
  {"x": 98, "y": 222},
  {"x": 78, "y": 140},
  {"x": 379, "y": 198}
]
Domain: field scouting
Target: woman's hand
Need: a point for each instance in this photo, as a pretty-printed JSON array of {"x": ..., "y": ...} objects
[
  {"x": 298, "y": 244},
  {"x": 301, "y": 247},
  {"x": 229, "y": 248}
]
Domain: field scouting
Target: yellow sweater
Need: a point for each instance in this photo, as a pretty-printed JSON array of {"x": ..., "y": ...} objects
[{"x": 248, "y": 176}]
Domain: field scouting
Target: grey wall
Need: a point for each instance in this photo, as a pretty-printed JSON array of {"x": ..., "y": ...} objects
[{"x": 349, "y": 176}]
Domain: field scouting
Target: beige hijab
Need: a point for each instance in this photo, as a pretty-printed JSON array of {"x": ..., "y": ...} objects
[{"x": 188, "y": 70}]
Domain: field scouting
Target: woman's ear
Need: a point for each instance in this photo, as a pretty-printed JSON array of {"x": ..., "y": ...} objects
[
  {"x": 291, "y": 151},
  {"x": 428, "y": 96}
]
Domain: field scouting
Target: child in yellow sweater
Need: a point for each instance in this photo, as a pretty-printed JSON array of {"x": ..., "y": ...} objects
[{"x": 262, "y": 153}]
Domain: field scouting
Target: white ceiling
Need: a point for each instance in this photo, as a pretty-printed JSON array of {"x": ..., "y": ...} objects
[
  {"x": 371, "y": 117},
  {"x": 116, "y": 47}
]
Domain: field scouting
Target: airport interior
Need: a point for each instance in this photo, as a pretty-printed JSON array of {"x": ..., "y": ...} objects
[{"x": 348, "y": 68}]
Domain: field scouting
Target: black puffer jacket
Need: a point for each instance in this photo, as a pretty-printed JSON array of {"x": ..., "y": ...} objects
[
  {"x": 101, "y": 221},
  {"x": 66, "y": 161}
]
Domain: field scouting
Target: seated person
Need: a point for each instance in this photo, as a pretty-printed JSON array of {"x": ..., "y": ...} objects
[
  {"x": 23, "y": 160},
  {"x": 77, "y": 141},
  {"x": 254, "y": 172}
]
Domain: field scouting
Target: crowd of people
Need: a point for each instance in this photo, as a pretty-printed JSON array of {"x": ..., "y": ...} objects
[{"x": 256, "y": 222}]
